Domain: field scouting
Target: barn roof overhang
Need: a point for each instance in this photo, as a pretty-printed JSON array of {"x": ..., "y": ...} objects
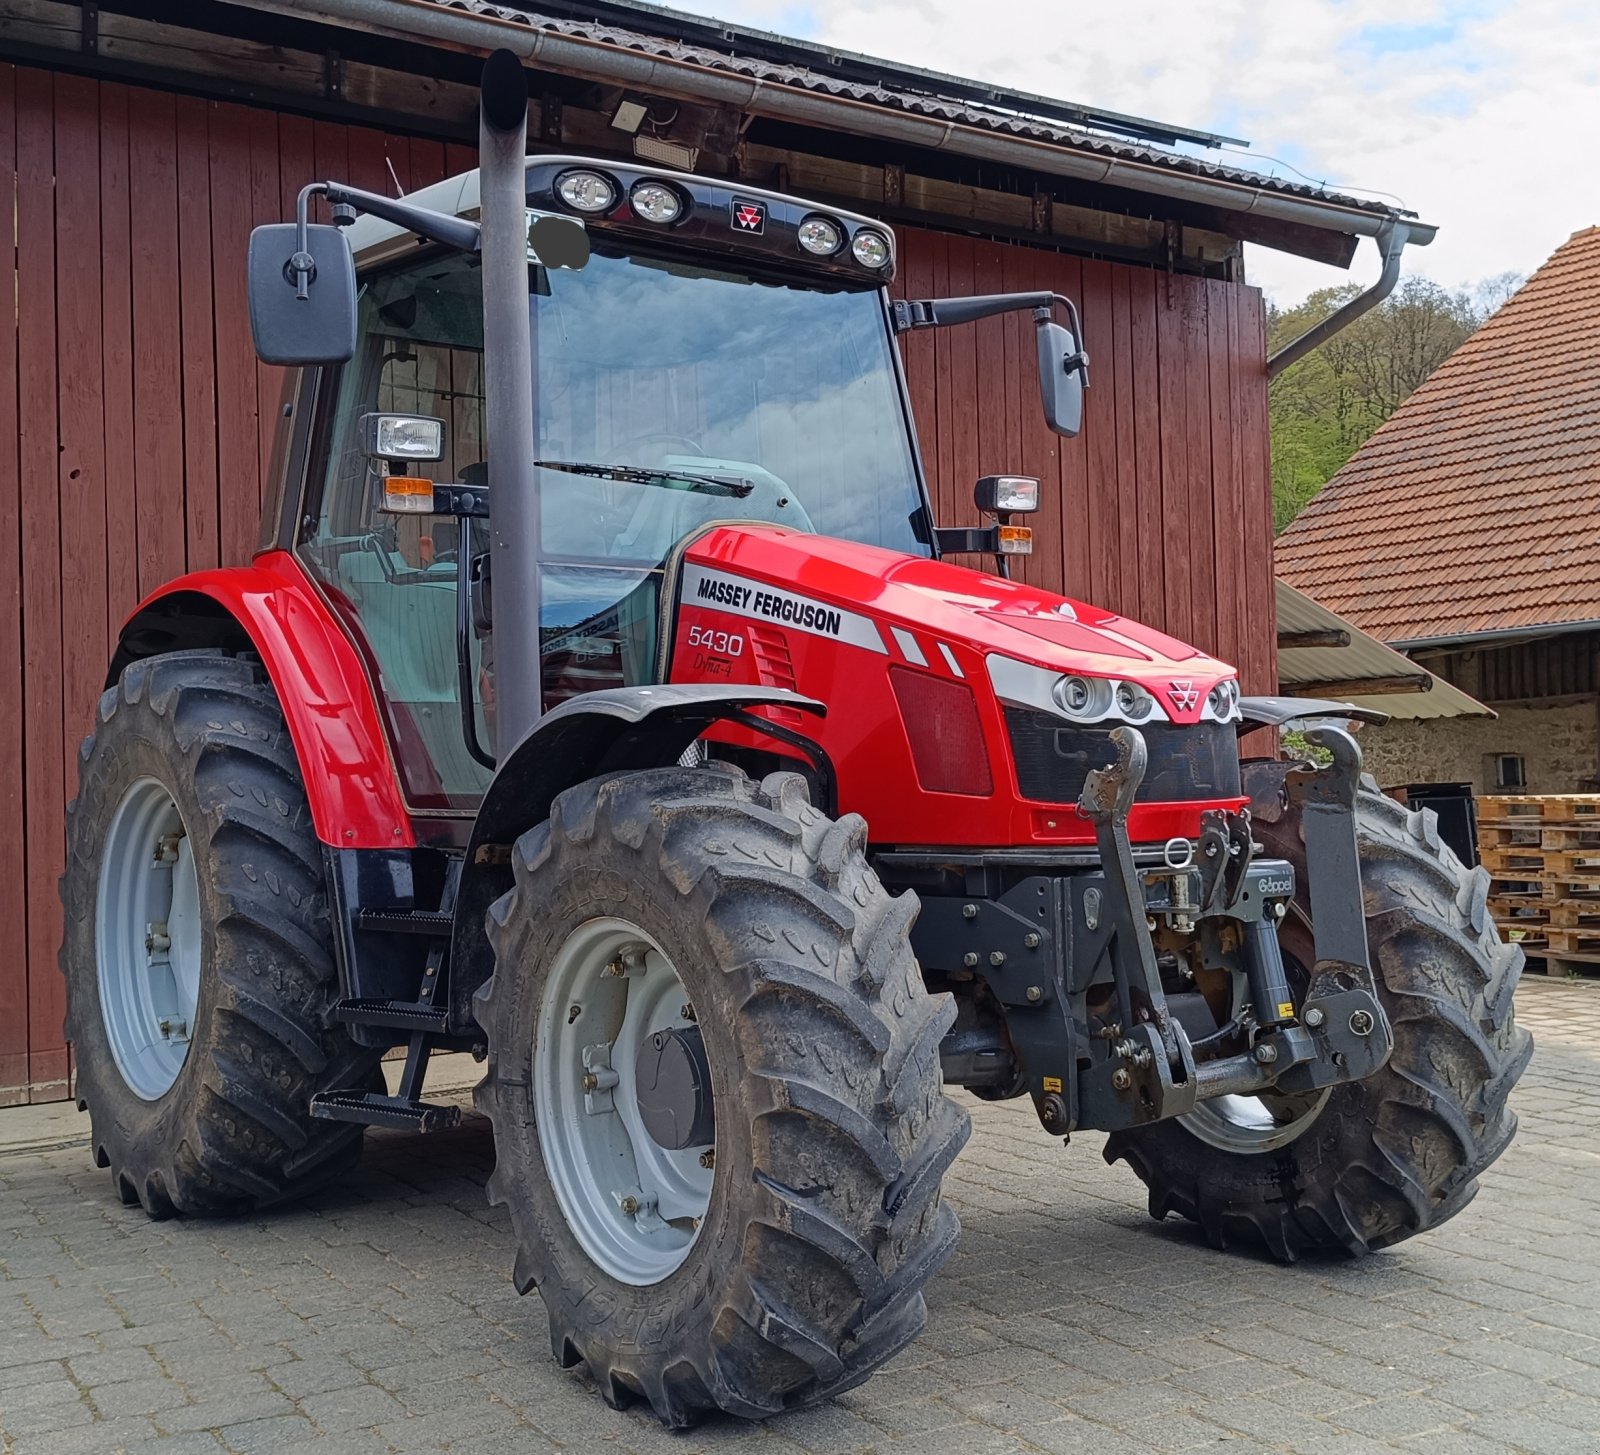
[
  {"x": 1321, "y": 655},
  {"x": 907, "y": 145},
  {"x": 754, "y": 74}
]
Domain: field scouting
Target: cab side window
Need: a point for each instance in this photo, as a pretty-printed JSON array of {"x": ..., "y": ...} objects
[{"x": 393, "y": 578}]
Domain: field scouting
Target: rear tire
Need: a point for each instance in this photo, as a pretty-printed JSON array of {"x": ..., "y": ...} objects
[
  {"x": 1399, "y": 1153},
  {"x": 225, "y": 1127},
  {"x": 824, "y": 1220}
]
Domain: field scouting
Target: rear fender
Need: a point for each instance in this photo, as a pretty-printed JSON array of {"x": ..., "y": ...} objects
[
  {"x": 270, "y": 607},
  {"x": 622, "y": 729}
]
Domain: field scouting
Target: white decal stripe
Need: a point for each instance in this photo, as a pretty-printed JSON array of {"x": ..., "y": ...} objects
[
  {"x": 909, "y": 648},
  {"x": 740, "y": 596},
  {"x": 950, "y": 660}
]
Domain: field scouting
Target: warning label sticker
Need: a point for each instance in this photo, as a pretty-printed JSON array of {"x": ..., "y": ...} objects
[{"x": 760, "y": 602}]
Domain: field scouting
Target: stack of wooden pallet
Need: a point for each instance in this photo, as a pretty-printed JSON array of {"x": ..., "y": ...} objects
[{"x": 1542, "y": 852}]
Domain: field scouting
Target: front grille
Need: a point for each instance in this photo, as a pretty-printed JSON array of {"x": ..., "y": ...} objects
[{"x": 1054, "y": 758}]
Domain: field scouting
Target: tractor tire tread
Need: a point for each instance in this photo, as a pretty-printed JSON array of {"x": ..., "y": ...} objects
[
  {"x": 1412, "y": 1140},
  {"x": 845, "y": 1096},
  {"x": 243, "y": 1136}
]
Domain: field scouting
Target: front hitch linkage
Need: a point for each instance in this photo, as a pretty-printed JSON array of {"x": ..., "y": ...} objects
[{"x": 1339, "y": 1032}]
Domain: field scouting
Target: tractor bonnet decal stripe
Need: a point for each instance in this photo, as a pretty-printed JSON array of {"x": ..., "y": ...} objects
[
  {"x": 743, "y": 597},
  {"x": 908, "y": 646}
]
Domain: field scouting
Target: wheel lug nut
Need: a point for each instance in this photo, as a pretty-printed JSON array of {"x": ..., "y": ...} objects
[
  {"x": 708, "y": 1158},
  {"x": 630, "y": 1205},
  {"x": 686, "y": 1013},
  {"x": 591, "y": 1082}
]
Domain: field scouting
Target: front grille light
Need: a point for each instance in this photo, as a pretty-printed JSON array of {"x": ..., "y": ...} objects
[
  {"x": 1074, "y": 695},
  {"x": 1222, "y": 702},
  {"x": 1088, "y": 699}
]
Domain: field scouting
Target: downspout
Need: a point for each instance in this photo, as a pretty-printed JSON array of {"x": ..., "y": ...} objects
[{"x": 1392, "y": 238}]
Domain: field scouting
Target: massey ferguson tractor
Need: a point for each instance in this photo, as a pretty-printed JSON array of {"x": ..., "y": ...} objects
[{"x": 603, "y": 700}]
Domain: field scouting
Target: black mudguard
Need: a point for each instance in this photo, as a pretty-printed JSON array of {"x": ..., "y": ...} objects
[{"x": 615, "y": 730}]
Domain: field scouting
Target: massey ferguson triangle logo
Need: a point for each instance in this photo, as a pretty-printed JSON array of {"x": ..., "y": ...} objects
[
  {"x": 1184, "y": 694},
  {"x": 749, "y": 217}
]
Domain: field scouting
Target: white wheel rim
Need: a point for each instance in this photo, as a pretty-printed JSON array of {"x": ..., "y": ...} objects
[
  {"x": 600, "y": 1158},
  {"x": 1250, "y": 1123},
  {"x": 1253, "y": 1124},
  {"x": 147, "y": 939}
]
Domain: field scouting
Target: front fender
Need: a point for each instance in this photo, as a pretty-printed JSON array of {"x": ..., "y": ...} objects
[
  {"x": 320, "y": 679},
  {"x": 621, "y": 729}
]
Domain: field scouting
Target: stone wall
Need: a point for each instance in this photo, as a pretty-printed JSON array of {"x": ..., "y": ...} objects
[{"x": 1561, "y": 747}]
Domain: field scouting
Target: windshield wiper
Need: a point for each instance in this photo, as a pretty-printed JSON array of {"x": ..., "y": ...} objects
[{"x": 703, "y": 482}]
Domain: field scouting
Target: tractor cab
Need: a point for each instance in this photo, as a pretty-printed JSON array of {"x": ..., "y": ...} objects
[{"x": 706, "y": 364}]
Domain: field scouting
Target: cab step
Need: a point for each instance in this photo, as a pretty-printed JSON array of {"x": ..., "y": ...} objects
[
  {"x": 432, "y": 922},
  {"x": 374, "y": 1109},
  {"x": 400, "y": 1015}
]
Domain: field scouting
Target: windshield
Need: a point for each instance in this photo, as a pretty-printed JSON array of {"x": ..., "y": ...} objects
[
  {"x": 668, "y": 395},
  {"x": 788, "y": 386}
]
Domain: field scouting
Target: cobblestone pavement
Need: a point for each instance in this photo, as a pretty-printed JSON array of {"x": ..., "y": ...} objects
[{"x": 380, "y": 1317}]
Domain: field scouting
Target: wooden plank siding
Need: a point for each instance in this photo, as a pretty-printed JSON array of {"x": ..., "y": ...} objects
[
  {"x": 135, "y": 426},
  {"x": 1161, "y": 508}
]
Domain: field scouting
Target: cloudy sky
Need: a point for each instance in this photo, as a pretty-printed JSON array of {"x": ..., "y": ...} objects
[{"x": 1481, "y": 115}]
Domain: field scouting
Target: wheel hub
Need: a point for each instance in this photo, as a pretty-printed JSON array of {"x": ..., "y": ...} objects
[
  {"x": 623, "y": 1101},
  {"x": 672, "y": 1080},
  {"x": 148, "y": 943}
]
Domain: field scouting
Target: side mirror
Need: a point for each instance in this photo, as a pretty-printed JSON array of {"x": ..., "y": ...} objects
[
  {"x": 317, "y": 328},
  {"x": 1063, "y": 373}
]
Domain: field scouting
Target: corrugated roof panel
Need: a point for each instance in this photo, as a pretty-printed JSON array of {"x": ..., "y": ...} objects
[
  {"x": 1364, "y": 657},
  {"x": 1009, "y": 114}
]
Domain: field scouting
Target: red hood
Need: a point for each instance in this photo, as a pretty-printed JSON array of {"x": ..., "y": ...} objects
[{"x": 944, "y": 604}]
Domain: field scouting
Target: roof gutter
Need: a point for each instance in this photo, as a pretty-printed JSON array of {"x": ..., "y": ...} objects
[
  {"x": 1392, "y": 238},
  {"x": 619, "y": 65},
  {"x": 1507, "y": 636}
]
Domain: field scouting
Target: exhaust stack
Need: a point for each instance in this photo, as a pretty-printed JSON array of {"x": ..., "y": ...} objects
[{"x": 508, "y": 397}]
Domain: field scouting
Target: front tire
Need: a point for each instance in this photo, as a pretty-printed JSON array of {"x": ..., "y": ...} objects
[
  {"x": 198, "y": 952},
  {"x": 1371, "y": 1162},
  {"x": 802, "y": 1268}
]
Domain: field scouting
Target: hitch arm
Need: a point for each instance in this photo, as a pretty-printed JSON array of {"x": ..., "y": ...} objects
[{"x": 1107, "y": 796}]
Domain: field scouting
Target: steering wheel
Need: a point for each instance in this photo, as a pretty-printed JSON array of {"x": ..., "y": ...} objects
[{"x": 658, "y": 438}]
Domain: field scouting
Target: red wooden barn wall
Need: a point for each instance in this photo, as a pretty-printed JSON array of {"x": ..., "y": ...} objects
[{"x": 135, "y": 425}]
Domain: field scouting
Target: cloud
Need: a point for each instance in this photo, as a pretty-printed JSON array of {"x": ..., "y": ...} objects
[{"x": 1481, "y": 115}]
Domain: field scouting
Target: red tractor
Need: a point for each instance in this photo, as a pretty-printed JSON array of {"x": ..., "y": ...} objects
[{"x": 601, "y": 701}]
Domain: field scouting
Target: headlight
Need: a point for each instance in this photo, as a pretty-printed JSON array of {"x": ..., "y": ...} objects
[
  {"x": 655, "y": 203},
  {"x": 1007, "y": 494},
  {"x": 820, "y": 236},
  {"x": 1133, "y": 702},
  {"x": 871, "y": 249},
  {"x": 1223, "y": 700},
  {"x": 1083, "y": 697},
  {"x": 587, "y": 191}
]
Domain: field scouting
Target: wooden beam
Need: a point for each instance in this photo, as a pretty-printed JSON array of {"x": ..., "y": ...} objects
[
  {"x": 1360, "y": 686},
  {"x": 1294, "y": 641}
]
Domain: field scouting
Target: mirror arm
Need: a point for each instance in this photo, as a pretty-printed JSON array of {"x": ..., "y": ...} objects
[
  {"x": 302, "y": 267},
  {"x": 442, "y": 227},
  {"x": 912, "y": 314}
]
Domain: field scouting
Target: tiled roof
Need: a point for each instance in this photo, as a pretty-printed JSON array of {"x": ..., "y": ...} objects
[
  {"x": 1476, "y": 508},
  {"x": 654, "y": 31}
]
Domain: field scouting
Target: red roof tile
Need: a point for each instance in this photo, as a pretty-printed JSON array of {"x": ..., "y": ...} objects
[{"x": 1476, "y": 507}]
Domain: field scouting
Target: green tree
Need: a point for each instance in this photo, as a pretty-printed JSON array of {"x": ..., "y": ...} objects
[{"x": 1326, "y": 406}]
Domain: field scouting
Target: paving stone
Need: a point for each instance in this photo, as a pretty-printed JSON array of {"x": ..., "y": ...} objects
[
  {"x": 356, "y": 1408},
  {"x": 377, "y": 1320}
]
